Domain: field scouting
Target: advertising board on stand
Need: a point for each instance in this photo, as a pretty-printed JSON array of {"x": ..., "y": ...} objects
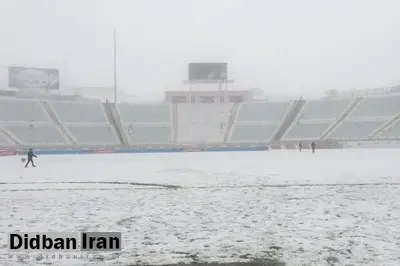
[
  {"x": 33, "y": 78},
  {"x": 8, "y": 152}
]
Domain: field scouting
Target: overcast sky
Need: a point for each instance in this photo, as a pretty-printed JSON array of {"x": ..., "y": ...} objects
[{"x": 281, "y": 46}]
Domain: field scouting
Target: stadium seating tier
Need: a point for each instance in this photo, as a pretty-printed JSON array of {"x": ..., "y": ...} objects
[
  {"x": 324, "y": 109},
  {"x": 37, "y": 134},
  {"x": 22, "y": 112},
  {"x": 263, "y": 118},
  {"x": 94, "y": 124},
  {"x": 101, "y": 134},
  {"x": 306, "y": 130},
  {"x": 263, "y": 111},
  {"x": 253, "y": 132},
  {"x": 392, "y": 132},
  {"x": 73, "y": 112},
  {"x": 377, "y": 107},
  {"x": 356, "y": 129},
  {"x": 4, "y": 141}
]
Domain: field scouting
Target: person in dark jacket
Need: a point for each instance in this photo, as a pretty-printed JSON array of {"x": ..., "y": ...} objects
[
  {"x": 300, "y": 146},
  {"x": 313, "y": 146},
  {"x": 30, "y": 158}
]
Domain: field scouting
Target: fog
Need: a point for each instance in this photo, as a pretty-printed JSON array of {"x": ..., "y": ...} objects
[{"x": 284, "y": 47}]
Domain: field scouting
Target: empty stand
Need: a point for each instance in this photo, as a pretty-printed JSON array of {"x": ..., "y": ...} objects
[
  {"x": 253, "y": 132},
  {"x": 385, "y": 126},
  {"x": 87, "y": 122},
  {"x": 80, "y": 112},
  {"x": 204, "y": 123},
  {"x": 49, "y": 110},
  {"x": 4, "y": 142},
  {"x": 371, "y": 114},
  {"x": 257, "y": 122},
  {"x": 324, "y": 109},
  {"x": 289, "y": 118},
  {"x": 96, "y": 134},
  {"x": 22, "y": 111},
  {"x": 315, "y": 118},
  {"x": 342, "y": 117},
  {"x": 392, "y": 132},
  {"x": 147, "y": 123},
  {"x": 115, "y": 121},
  {"x": 264, "y": 111},
  {"x": 9, "y": 136},
  {"x": 37, "y": 134},
  {"x": 355, "y": 129},
  {"x": 27, "y": 123},
  {"x": 377, "y": 107},
  {"x": 304, "y": 130}
]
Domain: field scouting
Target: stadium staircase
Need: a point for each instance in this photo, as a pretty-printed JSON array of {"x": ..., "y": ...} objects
[
  {"x": 341, "y": 118},
  {"x": 51, "y": 113},
  {"x": 13, "y": 139},
  {"x": 385, "y": 126},
  {"x": 287, "y": 121},
  {"x": 231, "y": 120},
  {"x": 175, "y": 122},
  {"x": 115, "y": 121}
]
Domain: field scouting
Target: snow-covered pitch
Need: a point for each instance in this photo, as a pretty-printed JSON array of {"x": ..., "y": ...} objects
[{"x": 335, "y": 207}]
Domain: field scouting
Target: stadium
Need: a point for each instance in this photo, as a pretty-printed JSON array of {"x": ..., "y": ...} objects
[
  {"x": 199, "y": 133},
  {"x": 214, "y": 121},
  {"x": 152, "y": 172}
]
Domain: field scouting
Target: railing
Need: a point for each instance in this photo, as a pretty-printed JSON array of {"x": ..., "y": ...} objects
[
  {"x": 67, "y": 135},
  {"x": 113, "y": 118},
  {"x": 341, "y": 118},
  {"x": 289, "y": 118},
  {"x": 231, "y": 121}
]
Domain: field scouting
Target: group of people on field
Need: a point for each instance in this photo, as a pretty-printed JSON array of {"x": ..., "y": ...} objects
[{"x": 313, "y": 146}]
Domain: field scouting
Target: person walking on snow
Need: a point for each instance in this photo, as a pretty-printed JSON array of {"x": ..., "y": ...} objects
[
  {"x": 30, "y": 158},
  {"x": 313, "y": 146}
]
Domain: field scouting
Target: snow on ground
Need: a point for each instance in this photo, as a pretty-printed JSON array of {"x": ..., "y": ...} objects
[{"x": 335, "y": 207}]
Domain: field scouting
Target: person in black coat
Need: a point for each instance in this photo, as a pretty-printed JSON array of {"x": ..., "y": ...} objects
[
  {"x": 30, "y": 158},
  {"x": 313, "y": 145}
]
